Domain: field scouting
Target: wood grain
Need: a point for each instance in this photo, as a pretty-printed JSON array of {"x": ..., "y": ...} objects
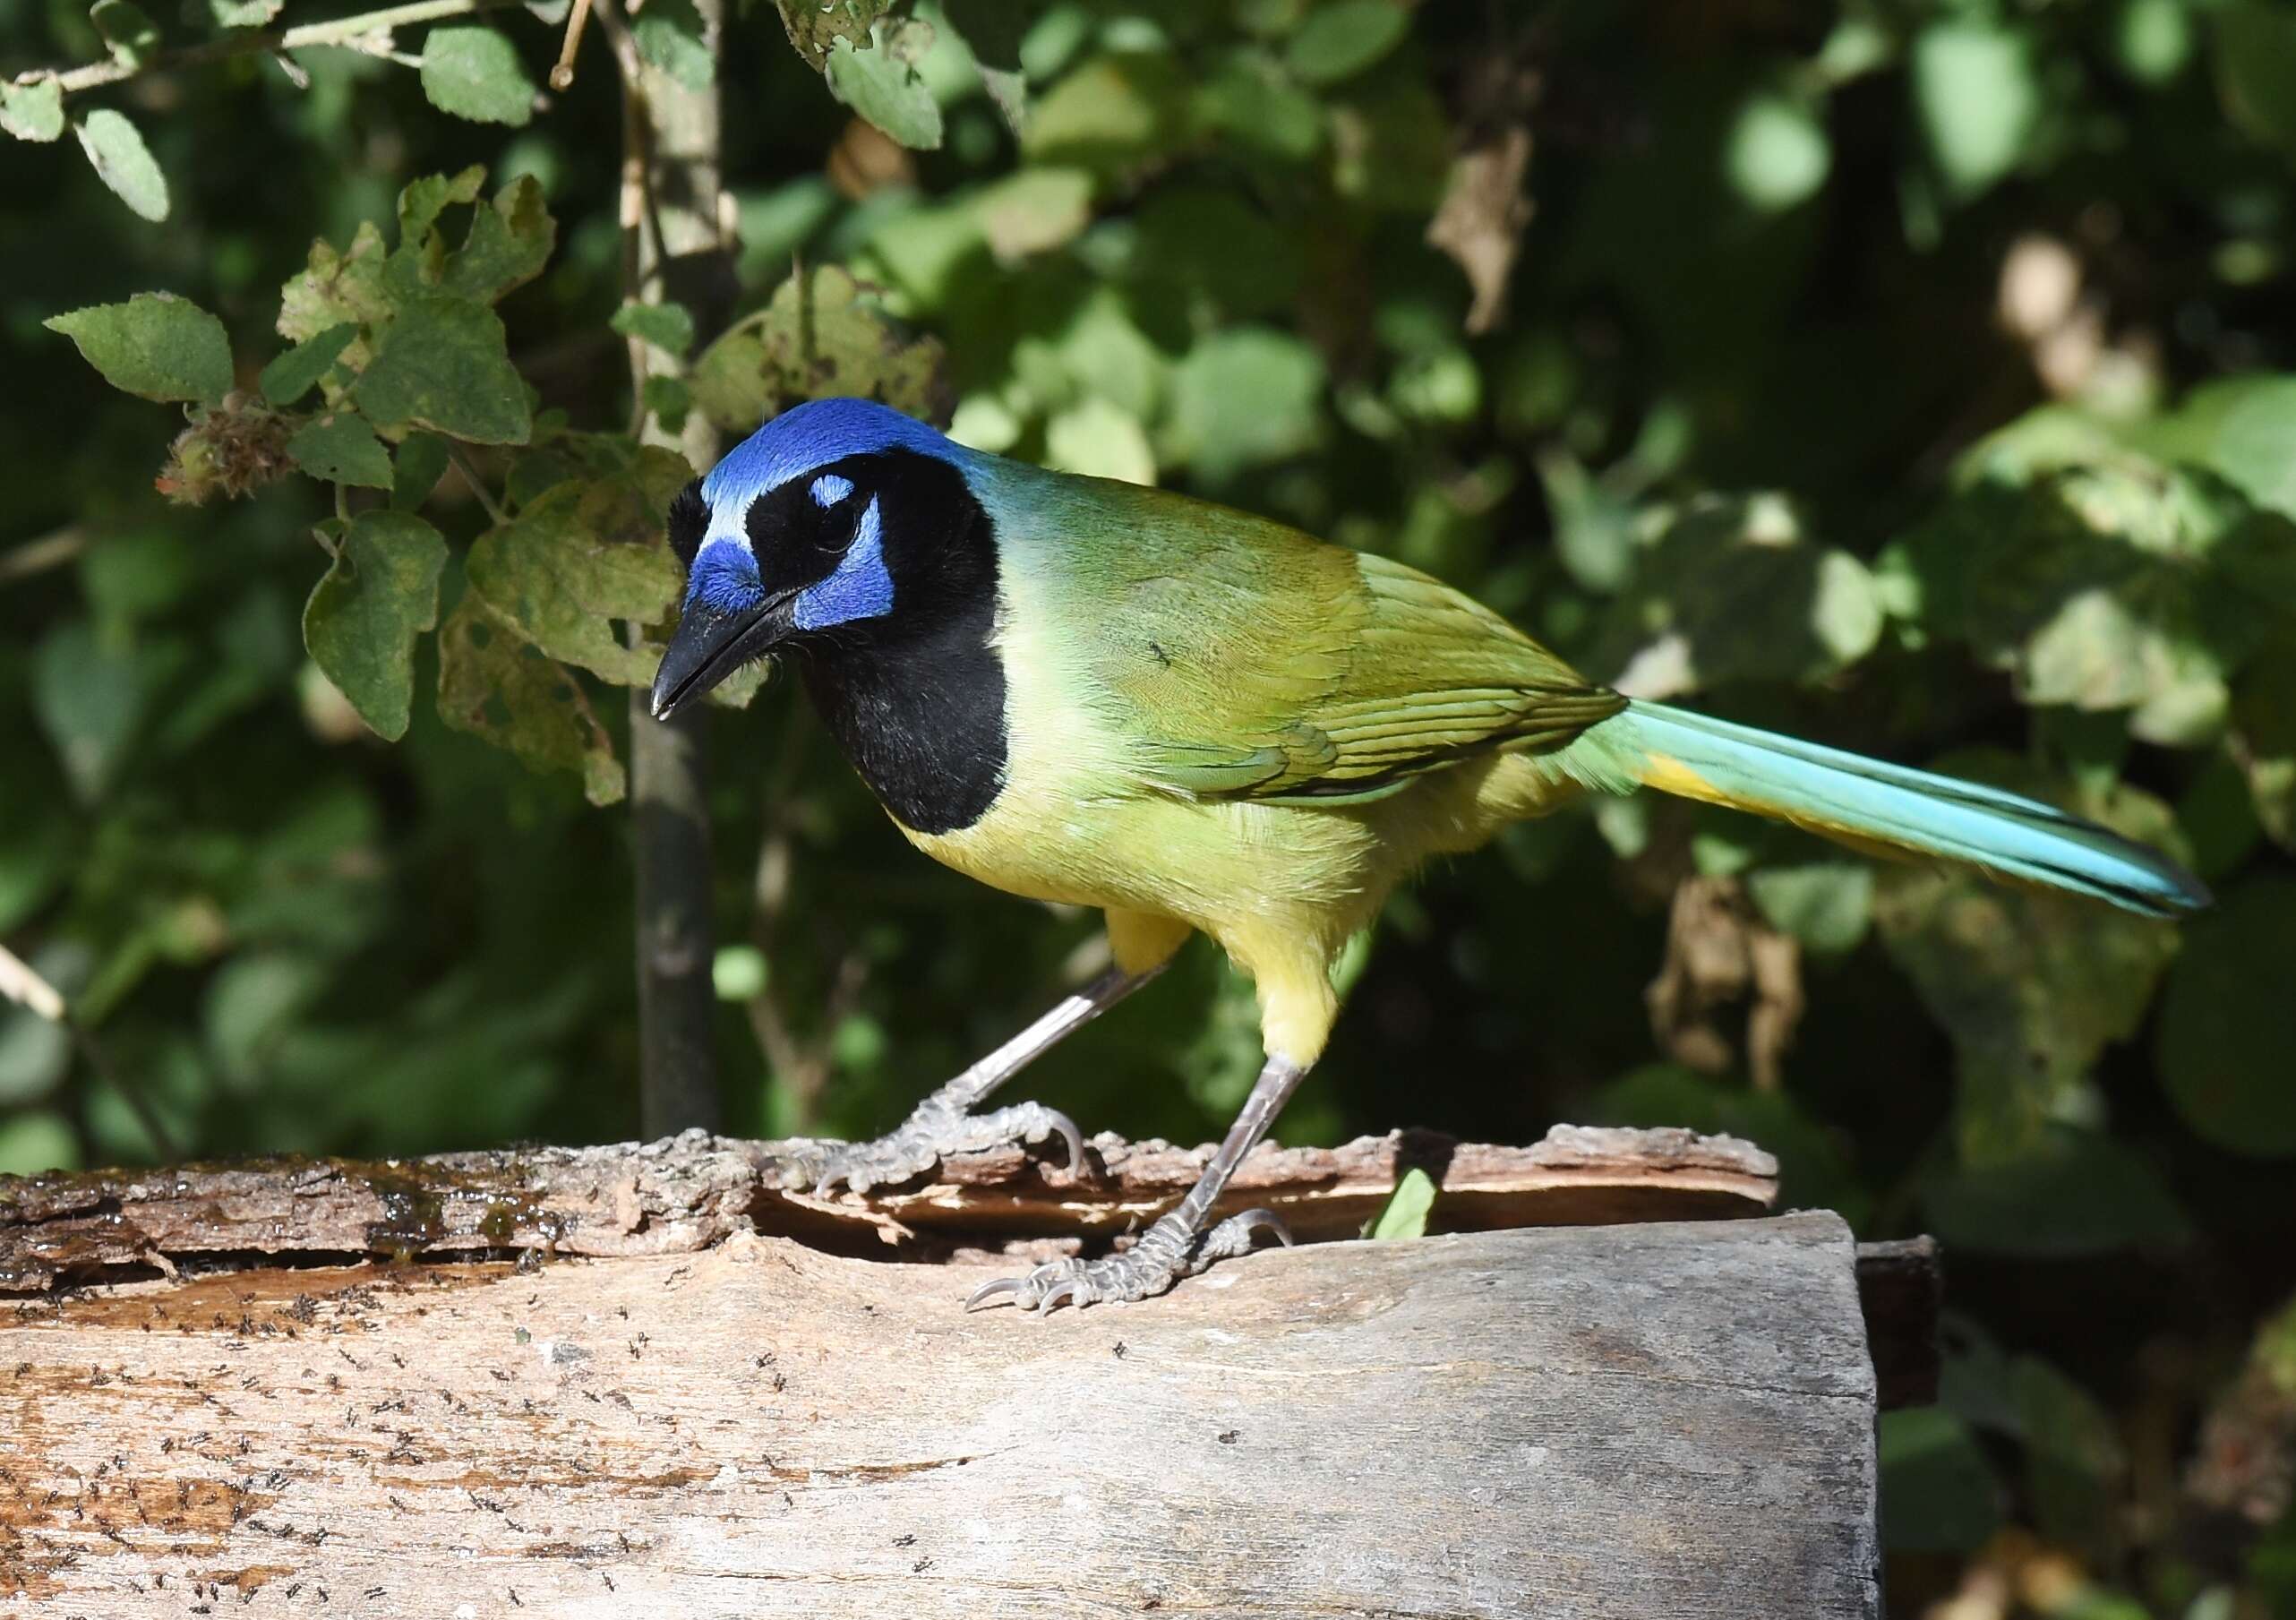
[
  {"x": 1654, "y": 1420},
  {"x": 680, "y": 1195}
]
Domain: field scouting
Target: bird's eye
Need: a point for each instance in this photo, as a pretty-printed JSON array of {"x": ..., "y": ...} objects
[{"x": 829, "y": 489}]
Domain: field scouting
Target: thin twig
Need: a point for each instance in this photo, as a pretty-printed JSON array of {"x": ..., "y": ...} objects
[
  {"x": 49, "y": 550},
  {"x": 469, "y": 471},
  {"x": 369, "y": 31},
  {"x": 24, "y": 985},
  {"x": 561, "y": 77}
]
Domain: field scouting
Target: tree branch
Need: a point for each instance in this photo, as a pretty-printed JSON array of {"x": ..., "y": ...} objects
[{"x": 368, "y": 33}]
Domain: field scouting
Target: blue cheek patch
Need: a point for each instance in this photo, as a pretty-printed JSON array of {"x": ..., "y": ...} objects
[
  {"x": 860, "y": 588},
  {"x": 724, "y": 577}
]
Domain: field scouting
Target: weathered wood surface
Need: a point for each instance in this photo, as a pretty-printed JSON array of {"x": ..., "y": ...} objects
[
  {"x": 1653, "y": 1420},
  {"x": 685, "y": 1192}
]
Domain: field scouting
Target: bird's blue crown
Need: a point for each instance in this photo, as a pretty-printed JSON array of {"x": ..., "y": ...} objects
[{"x": 814, "y": 435}]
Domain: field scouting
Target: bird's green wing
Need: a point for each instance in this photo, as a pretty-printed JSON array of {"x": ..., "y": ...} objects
[{"x": 1233, "y": 656}]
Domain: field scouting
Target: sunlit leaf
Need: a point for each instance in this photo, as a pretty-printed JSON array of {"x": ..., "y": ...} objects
[
  {"x": 669, "y": 35},
  {"x": 156, "y": 347},
  {"x": 1405, "y": 1213},
  {"x": 1976, "y": 89},
  {"x": 668, "y": 327},
  {"x": 474, "y": 73},
  {"x": 127, "y": 29},
  {"x": 883, "y": 88},
  {"x": 814, "y": 26},
  {"x": 1244, "y": 397},
  {"x": 823, "y": 334},
  {"x": 32, "y": 112},
  {"x": 367, "y": 611}
]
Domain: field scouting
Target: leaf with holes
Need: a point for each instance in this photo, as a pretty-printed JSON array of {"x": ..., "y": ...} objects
[
  {"x": 494, "y": 685},
  {"x": 564, "y": 571}
]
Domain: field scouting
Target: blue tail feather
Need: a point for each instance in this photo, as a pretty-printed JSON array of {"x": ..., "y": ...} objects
[{"x": 1845, "y": 795}]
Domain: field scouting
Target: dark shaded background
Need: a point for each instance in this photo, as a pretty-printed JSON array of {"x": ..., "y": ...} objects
[{"x": 1915, "y": 378}]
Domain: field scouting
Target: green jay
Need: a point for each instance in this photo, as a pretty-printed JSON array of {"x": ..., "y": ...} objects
[{"x": 1196, "y": 719}]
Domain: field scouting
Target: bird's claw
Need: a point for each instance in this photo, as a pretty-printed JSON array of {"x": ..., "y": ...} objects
[
  {"x": 923, "y": 1140},
  {"x": 1165, "y": 1253}
]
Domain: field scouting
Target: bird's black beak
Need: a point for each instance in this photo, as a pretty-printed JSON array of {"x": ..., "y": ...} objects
[{"x": 710, "y": 644}]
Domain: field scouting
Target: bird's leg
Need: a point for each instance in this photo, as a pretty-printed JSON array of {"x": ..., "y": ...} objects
[
  {"x": 943, "y": 1122},
  {"x": 1176, "y": 1245}
]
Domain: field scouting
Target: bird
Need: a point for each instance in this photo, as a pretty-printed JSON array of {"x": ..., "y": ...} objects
[{"x": 1198, "y": 720}]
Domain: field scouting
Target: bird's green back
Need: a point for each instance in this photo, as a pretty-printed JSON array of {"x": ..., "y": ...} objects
[{"x": 1234, "y": 657}]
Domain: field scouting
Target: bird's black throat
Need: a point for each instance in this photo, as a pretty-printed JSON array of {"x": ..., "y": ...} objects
[{"x": 916, "y": 697}]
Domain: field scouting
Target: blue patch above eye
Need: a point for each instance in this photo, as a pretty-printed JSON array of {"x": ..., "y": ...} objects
[
  {"x": 724, "y": 577},
  {"x": 860, "y": 588},
  {"x": 829, "y": 489}
]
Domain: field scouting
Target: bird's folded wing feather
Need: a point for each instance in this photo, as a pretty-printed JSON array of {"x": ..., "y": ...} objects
[{"x": 1238, "y": 659}]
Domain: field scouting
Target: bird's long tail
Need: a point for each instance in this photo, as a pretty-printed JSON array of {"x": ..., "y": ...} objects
[{"x": 1865, "y": 802}]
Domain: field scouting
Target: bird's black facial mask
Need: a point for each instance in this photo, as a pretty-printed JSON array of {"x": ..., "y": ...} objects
[{"x": 811, "y": 557}]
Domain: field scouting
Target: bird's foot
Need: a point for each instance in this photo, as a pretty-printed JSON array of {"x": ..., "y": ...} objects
[
  {"x": 1165, "y": 1252},
  {"x": 922, "y": 1141}
]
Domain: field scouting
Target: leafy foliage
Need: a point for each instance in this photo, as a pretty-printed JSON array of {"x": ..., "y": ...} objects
[{"x": 1919, "y": 380}]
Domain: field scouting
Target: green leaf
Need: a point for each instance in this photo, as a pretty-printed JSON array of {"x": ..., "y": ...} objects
[
  {"x": 32, "y": 112},
  {"x": 814, "y": 26},
  {"x": 1733, "y": 589},
  {"x": 2256, "y": 442},
  {"x": 2074, "y": 1194},
  {"x": 91, "y": 699},
  {"x": 887, "y": 91},
  {"x": 494, "y": 685},
  {"x": 1340, "y": 40},
  {"x": 1114, "y": 113},
  {"x": 668, "y": 327},
  {"x": 2074, "y": 1464},
  {"x": 823, "y": 334},
  {"x": 669, "y": 36},
  {"x": 474, "y": 73},
  {"x": 507, "y": 247},
  {"x": 296, "y": 372},
  {"x": 1977, "y": 88},
  {"x": 1244, "y": 397},
  {"x": 669, "y": 401},
  {"x": 1779, "y": 155},
  {"x": 444, "y": 364},
  {"x": 572, "y": 565},
  {"x": 38, "y": 1141},
  {"x": 1825, "y": 904},
  {"x": 421, "y": 463},
  {"x": 2255, "y": 58},
  {"x": 1405, "y": 1213},
  {"x": 124, "y": 163},
  {"x": 2223, "y": 1038},
  {"x": 420, "y": 201},
  {"x": 1100, "y": 440},
  {"x": 2263, "y": 724},
  {"x": 156, "y": 347},
  {"x": 1033, "y": 212},
  {"x": 2032, "y": 986},
  {"x": 342, "y": 449},
  {"x": 368, "y": 609},
  {"x": 128, "y": 32},
  {"x": 1938, "y": 1492},
  {"x": 244, "y": 13},
  {"x": 338, "y": 288}
]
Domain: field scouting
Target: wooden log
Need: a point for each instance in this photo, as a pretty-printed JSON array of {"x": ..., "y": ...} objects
[
  {"x": 1653, "y": 1420},
  {"x": 680, "y": 1195}
]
